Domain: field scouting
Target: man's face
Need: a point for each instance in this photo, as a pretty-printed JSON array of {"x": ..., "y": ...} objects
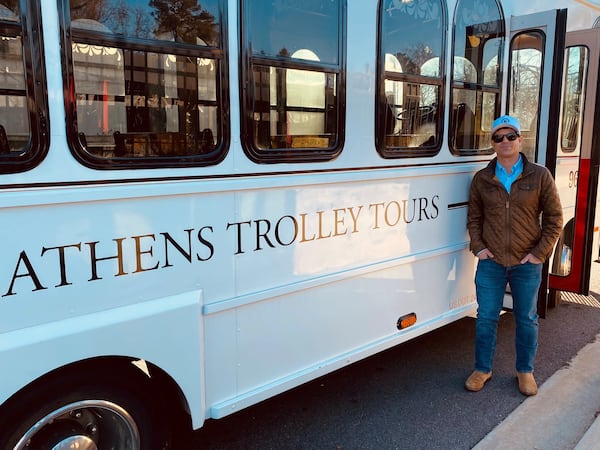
[{"x": 506, "y": 148}]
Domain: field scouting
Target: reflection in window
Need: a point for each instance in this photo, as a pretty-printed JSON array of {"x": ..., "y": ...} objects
[
  {"x": 282, "y": 28},
  {"x": 525, "y": 83},
  {"x": 154, "y": 98},
  {"x": 477, "y": 47},
  {"x": 292, "y": 105},
  {"x": 572, "y": 102},
  {"x": 305, "y": 93},
  {"x": 408, "y": 118},
  {"x": 14, "y": 122},
  {"x": 22, "y": 129},
  {"x": 186, "y": 22},
  {"x": 14, "y": 119}
]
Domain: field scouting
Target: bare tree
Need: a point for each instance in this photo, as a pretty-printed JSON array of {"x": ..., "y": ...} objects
[
  {"x": 185, "y": 20},
  {"x": 87, "y": 9}
]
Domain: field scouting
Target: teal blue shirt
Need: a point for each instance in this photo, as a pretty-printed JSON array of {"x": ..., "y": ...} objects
[{"x": 505, "y": 178}]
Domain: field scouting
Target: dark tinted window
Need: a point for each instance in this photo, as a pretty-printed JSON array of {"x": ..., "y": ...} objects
[
  {"x": 409, "y": 120},
  {"x": 23, "y": 110},
  {"x": 476, "y": 83},
  {"x": 149, "y": 83},
  {"x": 187, "y": 21},
  {"x": 292, "y": 79},
  {"x": 525, "y": 86},
  {"x": 282, "y": 28},
  {"x": 574, "y": 95}
]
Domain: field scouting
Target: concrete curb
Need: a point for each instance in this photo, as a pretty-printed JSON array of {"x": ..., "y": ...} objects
[
  {"x": 591, "y": 439},
  {"x": 563, "y": 415}
]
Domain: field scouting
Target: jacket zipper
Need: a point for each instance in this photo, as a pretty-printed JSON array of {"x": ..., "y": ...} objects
[{"x": 508, "y": 229}]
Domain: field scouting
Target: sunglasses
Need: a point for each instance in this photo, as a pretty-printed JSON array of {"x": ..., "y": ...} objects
[{"x": 497, "y": 138}]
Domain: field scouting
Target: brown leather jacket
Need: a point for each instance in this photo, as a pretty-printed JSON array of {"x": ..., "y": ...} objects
[{"x": 509, "y": 225}]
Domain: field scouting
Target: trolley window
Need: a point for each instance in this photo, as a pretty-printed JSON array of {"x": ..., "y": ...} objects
[
  {"x": 478, "y": 42},
  {"x": 411, "y": 66},
  {"x": 525, "y": 81},
  {"x": 573, "y": 98},
  {"x": 23, "y": 109},
  {"x": 292, "y": 79},
  {"x": 147, "y": 83}
]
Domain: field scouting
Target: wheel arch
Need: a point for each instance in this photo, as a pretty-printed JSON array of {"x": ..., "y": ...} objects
[
  {"x": 164, "y": 335},
  {"x": 134, "y": 375}
]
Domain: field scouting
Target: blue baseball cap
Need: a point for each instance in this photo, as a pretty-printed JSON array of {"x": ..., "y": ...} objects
[{"x": 506, "y": 122}]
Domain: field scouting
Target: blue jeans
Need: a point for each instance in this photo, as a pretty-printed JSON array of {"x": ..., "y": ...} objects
[{"x": 490, "y": 281}]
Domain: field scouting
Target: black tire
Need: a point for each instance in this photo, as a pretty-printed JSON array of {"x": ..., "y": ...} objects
[{"x": 83, "y": 409}]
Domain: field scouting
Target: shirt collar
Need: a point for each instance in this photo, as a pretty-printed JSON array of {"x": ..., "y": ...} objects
[{"x": 518, "y": 166}]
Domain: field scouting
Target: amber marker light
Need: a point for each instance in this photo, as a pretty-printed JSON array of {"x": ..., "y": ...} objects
[{"x": 407, "y": 321}]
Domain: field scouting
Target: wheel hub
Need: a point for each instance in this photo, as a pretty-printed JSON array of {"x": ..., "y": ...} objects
[{"x": 80, "y": 442}]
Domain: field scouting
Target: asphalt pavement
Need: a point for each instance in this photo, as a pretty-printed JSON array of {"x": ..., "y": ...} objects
[
  {"x": 412, "y": 396},
  {"x": 563, "y": 415}
]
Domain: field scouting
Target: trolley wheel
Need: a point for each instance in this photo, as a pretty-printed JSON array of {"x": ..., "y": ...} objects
[{"x": 70, "y": 413}]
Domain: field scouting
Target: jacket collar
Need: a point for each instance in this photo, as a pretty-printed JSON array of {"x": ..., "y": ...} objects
[{"x": 527, "y": 166}]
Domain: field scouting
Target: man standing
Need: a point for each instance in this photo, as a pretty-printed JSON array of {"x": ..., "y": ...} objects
[{"x": 514, "y": 220}]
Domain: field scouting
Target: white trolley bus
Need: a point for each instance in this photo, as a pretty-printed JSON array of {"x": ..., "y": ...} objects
[{"x": 204, "y": 203}]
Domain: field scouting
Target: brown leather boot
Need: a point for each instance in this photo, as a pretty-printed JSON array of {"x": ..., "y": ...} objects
[
  {"x": 527, "y": 384},
  {"x": 477, "y": 380}
]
